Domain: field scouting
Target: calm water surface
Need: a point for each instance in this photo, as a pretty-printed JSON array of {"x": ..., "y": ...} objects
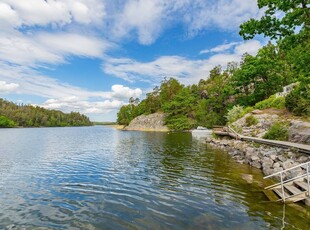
[{"x": 101, "y": 178}]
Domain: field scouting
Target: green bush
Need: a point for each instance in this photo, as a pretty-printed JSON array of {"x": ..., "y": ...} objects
[
  {"x": 246, "y": 110},
  {"x": 298, "y": 101},
  {"x": 234, "y": 113},
  {"x": 278, "y": 131},
  {"x": 6, "y": 123},
  {"x": 271, "y": 102},
  {"x": 179, "y": 123},
  {"x": 250, "y": 120}
]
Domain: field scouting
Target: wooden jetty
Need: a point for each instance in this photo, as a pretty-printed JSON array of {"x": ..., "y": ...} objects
[
  {"x": 228, "y": 131},
  {"x": 289, "y": 190}
]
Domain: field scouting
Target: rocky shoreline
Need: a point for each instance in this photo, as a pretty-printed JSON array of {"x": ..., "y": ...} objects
[{"x": 268, "y": 159}]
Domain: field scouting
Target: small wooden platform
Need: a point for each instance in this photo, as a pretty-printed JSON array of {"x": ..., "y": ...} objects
[{"x": 293, "y": 191}]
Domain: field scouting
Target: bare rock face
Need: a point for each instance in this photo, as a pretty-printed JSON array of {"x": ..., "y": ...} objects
[
  {"x": 299, "y": 132},
  {"x": 152, "y": 122},
  {"x": 264, "y": 122}
]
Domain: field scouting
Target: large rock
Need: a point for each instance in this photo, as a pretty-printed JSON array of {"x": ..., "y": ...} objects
[
  {"x": 152, "y": 122},
  {"x": 299, "y": 131},
  {"x": 267, "y": 162}
]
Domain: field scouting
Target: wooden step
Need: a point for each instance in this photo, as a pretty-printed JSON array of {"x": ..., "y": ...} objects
[
  {"x": 292, "y": 189},
  {"x": 297, "y": 194},
  {"x": 278, "y": 191},
  {"x": 296, "y": 198},
  {"x": 301, "y": 184}
]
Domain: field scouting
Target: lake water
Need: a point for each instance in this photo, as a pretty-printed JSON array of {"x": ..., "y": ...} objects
[{"x": 101, "y": 178}]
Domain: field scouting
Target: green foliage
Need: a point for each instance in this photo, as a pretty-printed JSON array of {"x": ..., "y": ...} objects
[
  {"x": 298, "y": 100},
  {"x": 168, "y": 89},
  {"x": 234, "y": 114},
  {"x": 271, "y": 102},
  {"x": 278, "y": 131},
  {"x": 179, "y": 111},
  {"x": 250, "y": 120},
  {"x": 35, "y": 116},
  {"x": 261, "y": 76},
  {"x": 212, "y": 107},
  {"x": 179, "y": 123},
  {"x": 246, "y": 110},
  {"x": 294, "y": 13},
  {"x": 6, "y": 123}
]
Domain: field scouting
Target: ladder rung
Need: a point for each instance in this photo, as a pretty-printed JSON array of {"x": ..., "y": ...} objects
[
  {"x": 301, "y": 184},
  {"x": 292, "y": 189},
  {"x": 278, "y": 191}
]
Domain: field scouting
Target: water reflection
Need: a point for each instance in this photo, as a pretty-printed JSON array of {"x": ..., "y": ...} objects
[{"x": 101, "y": 178}]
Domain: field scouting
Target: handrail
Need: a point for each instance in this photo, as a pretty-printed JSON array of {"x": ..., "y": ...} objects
[
  {"x": 233, "y": 131},
  {"x": 286, "y": 181},
  {"x": 297, "y": 166},
  {"x": 307, "y": 164}
]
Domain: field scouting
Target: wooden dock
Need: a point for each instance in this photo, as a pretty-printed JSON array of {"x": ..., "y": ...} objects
[
  {"x": 288, "y": 191},
  {"x": 227, "y": 131}
]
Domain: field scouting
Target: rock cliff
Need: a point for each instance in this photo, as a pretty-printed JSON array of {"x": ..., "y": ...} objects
[
  {"x": 299, "y": 131},
  {"x": 152, "y": 122}
]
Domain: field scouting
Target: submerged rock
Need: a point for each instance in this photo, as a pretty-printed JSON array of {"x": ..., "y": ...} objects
[{"x": 248, "y": 178}]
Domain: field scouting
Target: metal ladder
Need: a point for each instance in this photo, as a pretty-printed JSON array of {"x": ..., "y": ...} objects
[{"x": 293, "y": 189}]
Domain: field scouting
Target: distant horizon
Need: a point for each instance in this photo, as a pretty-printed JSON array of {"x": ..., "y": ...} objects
[{"x": 91, "y": 56}]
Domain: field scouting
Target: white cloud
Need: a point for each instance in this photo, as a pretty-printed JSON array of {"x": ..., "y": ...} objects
[
  {"x": 222, "y": 14},
  {"x": 48, "y": 48},
  {"x": 74, "y": 103},
  {"x": 54, "y": 12},
  {"x": 8, "y": 15},
  {"x": 36, "y": 32},
  {"x": 143, "y": 17},
  {"x": 220, "y": 48},
  {"x": 249, "y": 47},
  {"x": 122, "y": 92},
  {"x": 7, "y": 87},
  {"x": 61, "y": 95},
  {"x": 148, "y": 18},
  {"x": 73, "y": 44},
  {"x": 186, "y": 70}
]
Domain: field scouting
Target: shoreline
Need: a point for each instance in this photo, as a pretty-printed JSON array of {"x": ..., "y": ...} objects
[{"x": 267, "y": 158}]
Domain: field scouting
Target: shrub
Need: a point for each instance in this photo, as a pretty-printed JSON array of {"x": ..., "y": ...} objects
[
  {"x": 278, "y": 131},
  {"x": 234, "y": 113},
  {"x": 298, "y": 101},
  {"x": 271, "y": 102},
  {"x": 179, "y": 123},
  {"x": 6, "y": 123},
  {"x": 250, "y": 120}
]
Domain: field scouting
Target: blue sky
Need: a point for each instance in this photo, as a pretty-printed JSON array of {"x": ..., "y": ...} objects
[{"x": 91, "y": 56}]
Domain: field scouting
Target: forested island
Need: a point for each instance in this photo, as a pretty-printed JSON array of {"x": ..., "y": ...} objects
[
  {"x": 13, "y": 115},
  {"x": 230, "y": 92}
]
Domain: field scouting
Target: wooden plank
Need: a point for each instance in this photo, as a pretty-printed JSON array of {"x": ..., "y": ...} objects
[
  {"x": 292, "y": 189},
  {"x": 278, "y": 191},
  {"x": 297, "y": 198},
  {"x": 284, "y": 144},
  {"x": 226, "y": 131},
  {"x": 301, "y": 184}
]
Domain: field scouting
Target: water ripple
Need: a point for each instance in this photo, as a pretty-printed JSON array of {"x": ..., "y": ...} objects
[{"x": 100, "y": 178}]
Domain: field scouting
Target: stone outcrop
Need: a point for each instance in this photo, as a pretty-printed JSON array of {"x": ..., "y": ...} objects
[
  {"x": 299, "y": 131},
  {"x": 264, "y": 122},
  {"x": 152, "y": 122}
]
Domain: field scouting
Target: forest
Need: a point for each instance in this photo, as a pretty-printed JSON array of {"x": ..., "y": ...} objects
[
  {"x": 12, "y": 115},
  {"x": 250, "y": 84}
]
